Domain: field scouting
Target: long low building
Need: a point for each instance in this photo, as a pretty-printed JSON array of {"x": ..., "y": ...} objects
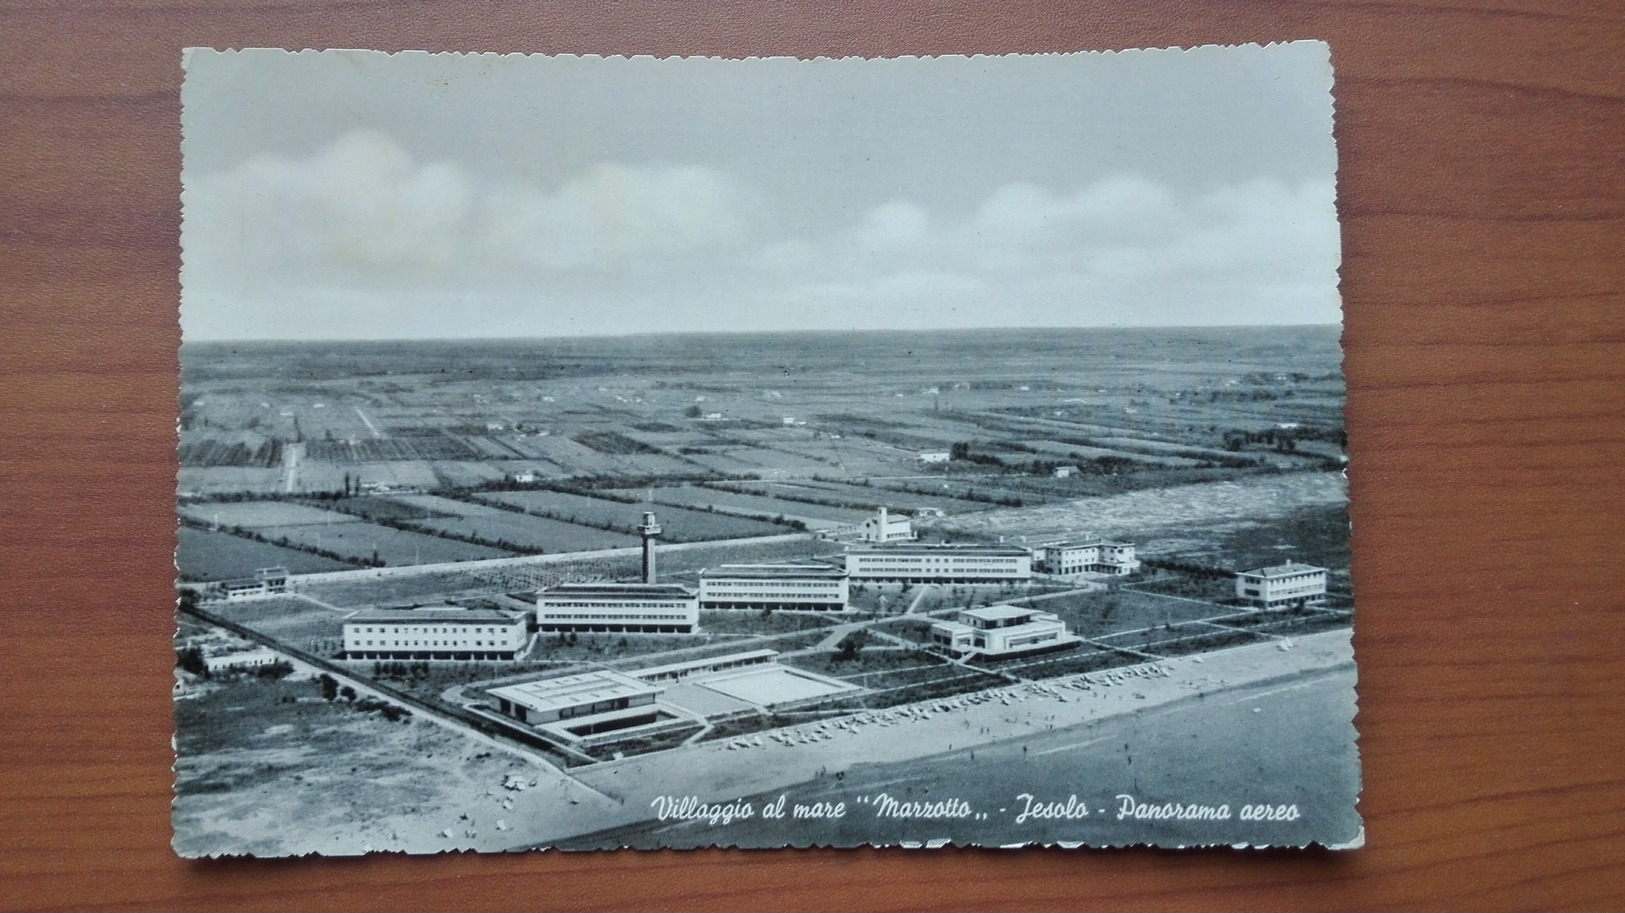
[
  {"x": 1086, "y": 556},
  {"x": 629, "y": 608},
  {"x": 1282, "y": 585},
  {"x": 574, "y": 707},
  {"x": 931, "y": 563},
  {"x": 1002, "y": 630},
  {"x": 796, "y": 587},
  {"x": 436, "y": 633}
]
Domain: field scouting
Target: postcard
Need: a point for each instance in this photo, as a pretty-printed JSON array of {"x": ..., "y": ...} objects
[{"x": 601, "y": 453}]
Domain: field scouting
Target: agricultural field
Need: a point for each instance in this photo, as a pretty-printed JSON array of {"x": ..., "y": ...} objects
[
  {"x": 495, "y": 524},
  {"x": 257, "y": 515},
  {"x": 393, "y": 547},
  {"x": 865, "y": 497},
  {"x": 203, "y": 554},
  {"x": 758, "y": 505},
  {"x": 680, "y": 524}
]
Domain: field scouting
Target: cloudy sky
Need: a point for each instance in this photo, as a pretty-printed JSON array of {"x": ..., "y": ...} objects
[{"x": 359, "y": 195}]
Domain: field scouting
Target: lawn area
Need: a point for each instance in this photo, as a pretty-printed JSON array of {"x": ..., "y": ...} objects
[
  {"x": 1102, "y": 613},
  {"x": 750, "y": 622},
  {"x": 290, "y": 619}
]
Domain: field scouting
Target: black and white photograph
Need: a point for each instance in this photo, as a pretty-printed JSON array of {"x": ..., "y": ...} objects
[{"x": 599, "y": 453}]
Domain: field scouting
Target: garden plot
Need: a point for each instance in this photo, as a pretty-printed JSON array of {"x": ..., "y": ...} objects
[{"x": 208, "y": 555}]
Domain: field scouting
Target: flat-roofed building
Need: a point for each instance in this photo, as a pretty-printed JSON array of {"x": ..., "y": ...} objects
[
  {"x": 794, "y": 587},
  {"x": 244, "y": 659},
  {"x": 1282, "y": 586},
  {"x": 672, "y": 672},
  {"x": 884, "y": 527},
  {"x": 629, "y": 608},
  {"x": 574, "y": 707},
  {"x": 932, "y": 563},
  {"x": 1086, "y": 556},
  {"x": 1002, "y": 630},
  {"x": 267, "y": 581},
  {"x": 447, "y": 633}
]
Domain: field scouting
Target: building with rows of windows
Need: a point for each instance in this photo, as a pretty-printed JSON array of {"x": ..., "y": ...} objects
[
  {"x": 630, "y": 608},
  {"x": 796, "y": 587},
  {"x": 1282, "y": 586},
  {"x": 1002, "y": 630},
  {"x": 933, "y": 563},
  {"x": 1086, "y": 556},
  {"x": 435, "y": 633}
]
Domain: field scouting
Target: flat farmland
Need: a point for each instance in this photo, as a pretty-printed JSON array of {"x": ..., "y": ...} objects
[
  {"x": 362, "y": 540},
  {"x": 213, "y": 480},
  {"x": 871, "y": 496},
  {"x": 259, "y": 514},
  {"x": 525, "y": 530},
  {"x": 776, "y": 460},
  {"x": 570, "y": 507},
  {"x": 1084, "y": 452},
  {"x": 681, "y": 524},
  {"x": 695, "y": 496},
  {"x": 209, "y": 555},
  {"x": 721, "y": 463}
]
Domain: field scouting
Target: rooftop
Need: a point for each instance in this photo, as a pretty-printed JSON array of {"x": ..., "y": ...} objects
[
  {"x": 1283, "y": 570},
  {"x": 454, "y": 614},
  {"x": 998, "y": 612},
  {"x": 939, "y": 548},
  {"x": 550, "y": 694},
  {"x": 773, "y": 571},
  {"x": 1084, "y": 543},
  {"x": 619, "y": 591},
  {"x": 745, "y": 657}
]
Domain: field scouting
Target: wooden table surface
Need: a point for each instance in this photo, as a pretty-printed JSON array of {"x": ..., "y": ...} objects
[{"x": 1482, "y": 189}]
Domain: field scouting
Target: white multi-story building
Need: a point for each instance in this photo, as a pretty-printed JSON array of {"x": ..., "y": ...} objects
[
  {"x": 1282, "y": 586},
  {"x": 632, "y": 608},
  {"x": 883, "y": 527},
  {"x": 1002, "y": 630},
  {"x": 931, "y": 563},
  {"x": 268, "y": 581},
  {"x": 934, "y": 456},
  {"x": 436, "y": 633},
  {"x": 796, "y": 587},
  {"x": 1086, "y": 556}
]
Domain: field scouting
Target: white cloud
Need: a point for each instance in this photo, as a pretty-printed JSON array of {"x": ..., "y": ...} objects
[
  {"x": 1130, "y": 247},
  {"x": 363, "y": 213}
]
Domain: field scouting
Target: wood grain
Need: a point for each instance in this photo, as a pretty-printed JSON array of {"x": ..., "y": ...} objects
[{"x": 1482, "y": 188}]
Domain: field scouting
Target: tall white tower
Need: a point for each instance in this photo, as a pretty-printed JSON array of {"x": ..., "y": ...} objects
[{"x": 650, "y": 530}]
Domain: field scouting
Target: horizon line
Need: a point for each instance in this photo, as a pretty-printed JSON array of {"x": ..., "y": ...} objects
[{"x": 692, "y": 333}]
